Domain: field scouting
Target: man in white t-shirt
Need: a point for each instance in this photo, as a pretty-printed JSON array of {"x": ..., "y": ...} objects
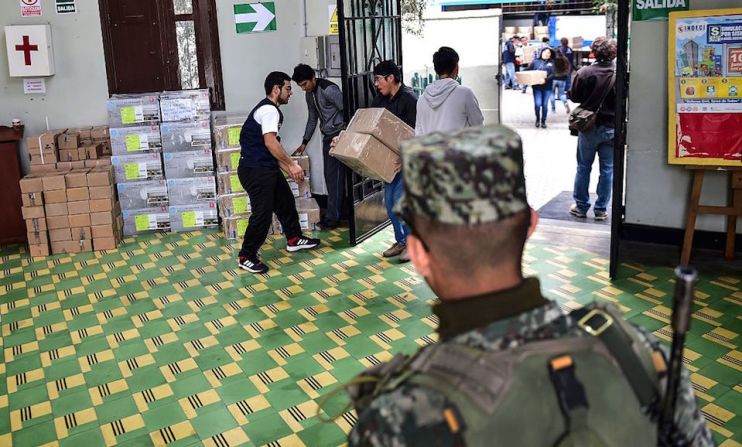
[{"x": 261, "y": 160}]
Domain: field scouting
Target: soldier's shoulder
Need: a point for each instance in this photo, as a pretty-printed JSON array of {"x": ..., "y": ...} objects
[{"x": 410, "y": 415}]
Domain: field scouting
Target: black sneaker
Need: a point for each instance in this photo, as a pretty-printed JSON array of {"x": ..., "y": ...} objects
[
  {"x": 538, "y": 124},
  {"x": 543, "y": 124},
  {"x": 301, "y": 243},
  {"x": 252, "y": 265}
]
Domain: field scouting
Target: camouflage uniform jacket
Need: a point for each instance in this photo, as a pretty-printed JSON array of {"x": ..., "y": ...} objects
[{"x": 413, "y": 416}]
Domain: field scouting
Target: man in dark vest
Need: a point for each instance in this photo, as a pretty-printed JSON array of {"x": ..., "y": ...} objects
[{"x": 261, "y": 161}]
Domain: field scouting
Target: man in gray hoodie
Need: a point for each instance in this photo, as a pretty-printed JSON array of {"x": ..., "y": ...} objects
[{"x": 445, "y": 105}]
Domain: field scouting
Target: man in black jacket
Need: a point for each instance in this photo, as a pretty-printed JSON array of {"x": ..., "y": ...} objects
[
  {"x": 325, "y": 104},
  {"x": 589, "y": 89}
]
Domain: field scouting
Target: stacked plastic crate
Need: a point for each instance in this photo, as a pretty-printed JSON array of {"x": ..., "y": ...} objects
[
  {"x": 189, "y": 160},
  {"x": 136, "y": 144}
]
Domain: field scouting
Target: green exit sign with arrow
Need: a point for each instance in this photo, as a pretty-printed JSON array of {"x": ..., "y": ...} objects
[{"x": 255, "y": 17}]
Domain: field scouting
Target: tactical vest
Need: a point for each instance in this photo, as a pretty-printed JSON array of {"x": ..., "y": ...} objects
[{"x": 598, "y": 388}]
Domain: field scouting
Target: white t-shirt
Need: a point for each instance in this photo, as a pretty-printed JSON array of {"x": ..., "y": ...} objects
[{"x": 268, "y": 118}]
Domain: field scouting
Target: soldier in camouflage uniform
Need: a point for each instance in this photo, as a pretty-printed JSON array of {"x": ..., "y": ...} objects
[{"x": 465, "y": 202}]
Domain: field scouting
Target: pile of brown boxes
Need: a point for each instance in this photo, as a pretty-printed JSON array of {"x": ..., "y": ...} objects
[
  {"x": 85, "y": 147},
  {"x": 72, "y": 211},
  {"x": 371, "y": 144}
]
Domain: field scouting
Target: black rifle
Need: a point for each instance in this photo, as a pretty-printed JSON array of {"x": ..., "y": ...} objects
[{"x": 685, "y": 280}]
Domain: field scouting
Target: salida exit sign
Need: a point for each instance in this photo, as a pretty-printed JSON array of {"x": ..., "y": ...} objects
[{"x": 657, "y": 9}]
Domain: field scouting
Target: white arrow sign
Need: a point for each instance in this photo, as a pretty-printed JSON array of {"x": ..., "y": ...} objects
[{"x": 255, "y": 17}]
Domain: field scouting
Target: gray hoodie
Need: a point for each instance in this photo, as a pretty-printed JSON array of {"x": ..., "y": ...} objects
[{"x": 446, "y": 106}]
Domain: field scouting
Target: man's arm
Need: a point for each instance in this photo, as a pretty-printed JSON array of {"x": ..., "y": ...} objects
[
  {"x": 474, "y": 114},
  {"x": 577, "y": 92},
  {"x": 287, "y": 163}
]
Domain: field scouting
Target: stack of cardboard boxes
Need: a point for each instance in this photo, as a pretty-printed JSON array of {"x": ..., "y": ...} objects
[
  {"x": 71, "y": 211},
  {"x": 69, "y": 149},
  {"x": 189, "y": 160}
]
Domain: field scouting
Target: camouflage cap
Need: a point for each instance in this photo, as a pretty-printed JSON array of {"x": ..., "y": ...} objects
[{"x": 472, "y": 176}]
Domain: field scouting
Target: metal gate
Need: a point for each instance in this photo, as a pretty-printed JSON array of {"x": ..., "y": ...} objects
[{"x": 370, "y": 32}]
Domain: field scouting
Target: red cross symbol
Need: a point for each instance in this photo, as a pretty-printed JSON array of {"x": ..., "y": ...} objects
[{"x": 27, "y": 48}]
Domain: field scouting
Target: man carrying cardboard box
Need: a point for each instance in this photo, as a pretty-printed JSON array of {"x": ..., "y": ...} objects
[
  {"x": 325, "y": 103},
  {"x": 261, "y": 160}
]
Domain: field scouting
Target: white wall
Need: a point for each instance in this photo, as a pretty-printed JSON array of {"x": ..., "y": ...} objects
[{"x": 657, "y": 193}]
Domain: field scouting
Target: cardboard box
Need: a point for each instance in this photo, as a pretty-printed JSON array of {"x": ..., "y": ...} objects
[
  {"x": 80, "y": 220},
  {"x": 103, "y": 231},
  {"x": 31, "y": 183},
  {"x": 193, "y": 217},
  {"x": 56, "y": 196},
  {"x": 100, "y": 205},
  {"x": 32, "y": 199},
  {"x": 82, "y": 233},
  {"x": 107, "y": 243},
  {"x": 228, "y": 160},
  {"x": 46, "y": 141},
  {"x": 77, "y": 178},
  {"x": 133, "y": 110},
  {"x": 33, "y": 212},
  {"x": 62, "y": 234},
  {"x": 81, "y": 207},
  {"x": 42, "y": 170},
  {"x": 135, "y": 140},
  {"x": 529, "y": 54},
  {"x": 234, "y": 204},
  {"x": 57, "y": 222},
  {"x": 90, "y": 151},
  {"x": 185, "y": 105},
  {"x": 235, "y": 226},
  {"x": 183, "y": 137},
  {"x": 101, "y": 192},
  {"x": 77, "y": 194},
  {"x": 531, "y": 77},
  {"x": 71, "y": 247},
  {"x": 68, "y": 141},
  {"x": 38, "y": 250},
  {"x": 383, "y": 125},
  {"x": 69, "y": 155},
  {"x": 56, "y": 209},
  {"x": 100, "y": 176},
  {"x": 102, "y": 218},
  {"x": 99, "y": 133},
  {"x": 38, "y": 238},
  {"x": 146, "y": 194},
  {"x": 104, "y": 160},
  {"x": 366, "y": 155},
  {"x": 227, "y": 128},
  {"x": 189, "y": 191},
  {"x": 189, "y": 164},
  {"x": 309, "y": 214},
  {"x": 132, "y": 168},
  {"x": 302, "y": 189},
  {"x": 146, "y": 221},
  {"x": 229, "y": 183},
  {"x": 54, "y": 182},
  {"x": 36, "y": 224}
]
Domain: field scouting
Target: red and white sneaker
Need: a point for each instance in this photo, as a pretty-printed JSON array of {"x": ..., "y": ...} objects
[
  {"x": 252, "y": 265},
  {"x": 301, "y": 243}
]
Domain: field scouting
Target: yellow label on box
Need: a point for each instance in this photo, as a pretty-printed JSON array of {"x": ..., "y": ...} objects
[
  {"x": 239, "y": 205},
  {"x": 234, "y": 136},
  {"x": 133, "y": 143},
  {"x": 234, "y": 182},
  {"x": 235, "y": 159},
  {"x": 128, "y": 115},
  {"x": 189, "y": 219},
  {"x": 131, "y": 171},
  {"x": 241, "y": 226},
  {"x": 141, "y": 223}
]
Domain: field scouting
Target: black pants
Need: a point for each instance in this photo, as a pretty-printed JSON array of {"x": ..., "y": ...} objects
[
  {"x": 269, "y": 193},
  {"x": 335, "y": 173}
]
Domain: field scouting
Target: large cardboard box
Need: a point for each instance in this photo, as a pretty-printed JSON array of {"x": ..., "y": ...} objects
[
  {"x": 33, "y": 212},
  {"x": 77, "y": 178},
  {"x": 100, "y": 205},
  {"x": 55, "y": 209},
  {"x": 229, "y": 183},
  {"x": 235, "y": 226},
  {"x": 77, "y": 194},
  {"x": 227, "y": 128},
  {"x": 531, "y": 77},
  {"x": 80, "y": 207},
  {"x": 42, "y": 169},
  {"x": 366, "y": 155},
  {"x": 107, "y": 243},
  {"x": 189, "y": 164},
  {"x": 228, "y": 160},
  {"x": 68, "y": 140},
  {"x": 38, "y": 250},
  {"x": 100, "y": 176},
  {"x": 101, "y": 192},
  {"x": 69, "y": 155},
  {"x": 383, "y": 125},
  {"x": 62, "y": 234},
  {"x": 82, "y": 233},
  {"x": 57, "y": 222},
  {"x": 135, "y": 140},
  {"x": 146, "y": 220},
  {"x": 32, "y": 199},
  {"x": 54, "y": 181},
  {"x": 55, "y": 196},
  {"x": 80, "y": 220},
  {"x": 234, "y": 204},
  {"x": 309, "y": 216},
  {"x": 72, "y": 247},
  {"x": 103, "y": 231},
  {"x": 31, "y": 183},
  {"x": 193, "y": 217},
  {"x": 133, "y": 110},
  {"x": 38, "y": 238},
  {"x": 529, "y": 54},
  {"x": 189, "y": 136},
  {"x": 189, "y": 191},
  {"x": 36, "y": 225},
  {"x": 146, "y": 194},
  {"x": 300, "y": 189},
  {"x": 185, "y": 105},
  {"x": 132, "y": 168}
]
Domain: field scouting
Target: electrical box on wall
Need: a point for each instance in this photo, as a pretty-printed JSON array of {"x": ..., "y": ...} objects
[
  {"x": 323, "y": 54},
  {"x": 29, "y": 50}
]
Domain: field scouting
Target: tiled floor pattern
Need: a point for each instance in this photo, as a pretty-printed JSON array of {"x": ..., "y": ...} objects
[{"x": 164, "y": 342}]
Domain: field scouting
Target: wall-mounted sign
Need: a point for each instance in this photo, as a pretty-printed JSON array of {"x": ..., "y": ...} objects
[
  {"x": 333, "y": 13},
  {"x": 30, "y": 8},
  {"x": 29, "y": 50},
  {"x": 66, "y": 7},
  {"x": 705, "y": 87},
  {"x": 36, "y": 86},
  {"x": 656, "y": 9},
  {"x": 255, "y": 17}
]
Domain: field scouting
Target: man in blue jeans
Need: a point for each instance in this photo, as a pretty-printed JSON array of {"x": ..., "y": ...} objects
[
  {"x": 508, "y": 61},
  {"x": 589, "y": 89}
]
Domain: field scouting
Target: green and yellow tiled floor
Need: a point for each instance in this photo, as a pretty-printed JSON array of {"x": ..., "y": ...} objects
[{"x": 164, "y": 342}]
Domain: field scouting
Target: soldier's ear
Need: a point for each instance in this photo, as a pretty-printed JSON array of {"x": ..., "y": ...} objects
[
  {"x": 534, "y": 222},
  {"x": 419, "y": 256}
]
